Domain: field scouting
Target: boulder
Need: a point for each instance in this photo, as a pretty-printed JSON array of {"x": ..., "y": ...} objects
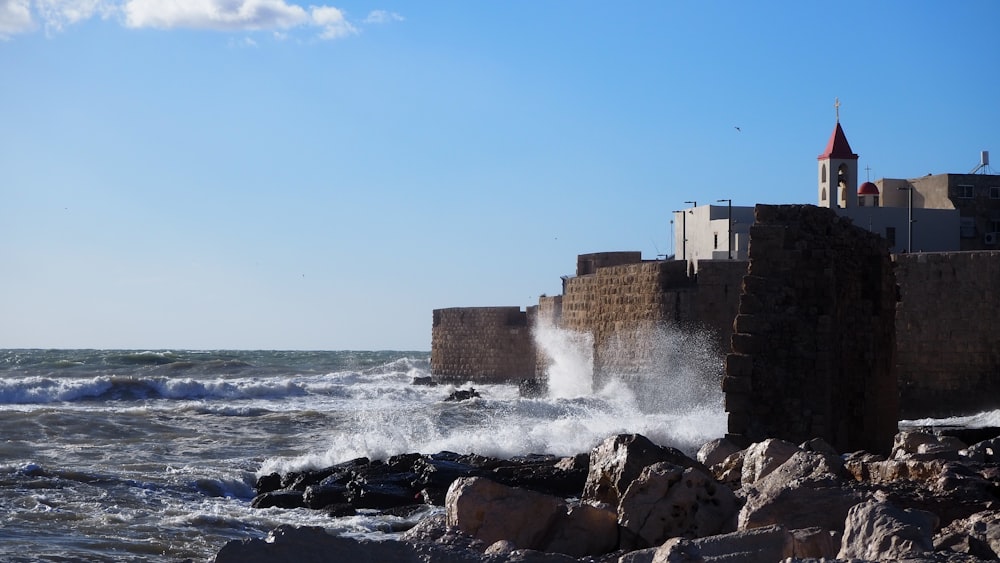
[
  {"x": 584, "y": 530},
  {"x": 279, "y": 499},
  {"x": 924, "y": 446},
  {"x": 803, "y": 492},
  {"x": 764, "y": 457},
  {"x": 815, "y": 543},
  {"x": 668, "y": 501},
  {"x": 618, "y": 460},
  {"x": 771, "y": 543},
  {"x": 716, "y": 451},
  {"x": 878, "y": 531},
  {"x": 491, "y": 512},
  {"x": 977, "y": 535}
]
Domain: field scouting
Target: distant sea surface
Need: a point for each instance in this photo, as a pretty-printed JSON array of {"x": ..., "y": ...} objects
[{"x": 111, "y": 455}]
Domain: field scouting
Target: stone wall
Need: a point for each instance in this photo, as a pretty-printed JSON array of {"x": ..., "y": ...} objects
[
  {"x": 620, "y": 306},
  {"x": 813, "y": 343},
  {"x": 486, "y": 344},
  {"x": 948, "y": 342}
]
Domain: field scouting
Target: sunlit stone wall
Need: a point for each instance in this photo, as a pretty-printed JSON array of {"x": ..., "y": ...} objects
[{"x": 487, "y": 344}]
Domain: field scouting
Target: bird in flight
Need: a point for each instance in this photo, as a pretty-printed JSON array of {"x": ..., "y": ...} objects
[{"x": 737, "y": 128}]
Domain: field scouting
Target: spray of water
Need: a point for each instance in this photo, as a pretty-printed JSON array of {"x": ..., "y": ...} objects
[{"x": 570, "y": 359}]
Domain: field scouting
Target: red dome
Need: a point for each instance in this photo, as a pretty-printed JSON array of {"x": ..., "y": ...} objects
[{"x": 868, "y": 188}]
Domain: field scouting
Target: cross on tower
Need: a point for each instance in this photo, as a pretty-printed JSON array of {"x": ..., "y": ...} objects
[
  {"x": 836, "y": 107},
  {"x": 868, "y": 173}
]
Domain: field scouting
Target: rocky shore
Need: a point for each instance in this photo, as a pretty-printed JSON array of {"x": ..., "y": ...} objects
[{"x": 934, "y": 498}]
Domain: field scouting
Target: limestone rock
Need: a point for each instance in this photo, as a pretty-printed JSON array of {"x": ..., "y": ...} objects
[
  {"x": 815, "y": 543},
  {"x": 764, "y": 457},
  {"x": 771, "y": 543},
  {"x": 618, "y": 460},
  {"x": 802, "y": 492},
  {"x": 978, "y": 535},
  {"x": 716, "y": 451},
  {"x": 668, "y": 501},
  {"x": 879, "y": 531},
  {"x": 490, "y": 512}
]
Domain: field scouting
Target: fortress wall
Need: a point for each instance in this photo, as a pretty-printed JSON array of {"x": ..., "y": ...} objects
[
  {"x": 624, "y": 306},
  {"x": 813, "y": 343},
  {"x": 947, "y": 339},
  {"x": 486, "y": 344}
]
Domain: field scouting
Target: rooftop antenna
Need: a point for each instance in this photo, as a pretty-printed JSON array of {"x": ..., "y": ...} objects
[{"x": 984, "y": 164}]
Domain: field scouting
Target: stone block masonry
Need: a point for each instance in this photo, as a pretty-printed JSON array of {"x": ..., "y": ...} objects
[
  {"x": 486, "y": 344},
  {"x": 947, "y": 334},
  {"x": 813, "y": 342}
]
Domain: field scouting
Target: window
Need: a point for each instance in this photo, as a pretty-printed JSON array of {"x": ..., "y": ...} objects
[
  {"x": 890, "y": 235},
  {"x": 822, "y": 195},
  {"x": 995, "y": 192},
  {"x": 876, "y": 201},
  {"x": 965, "y": 192},
  {"x": 715, "y": 242},
  {"x": 861, "y": 201},
  {"x": 822, "y": 175}
]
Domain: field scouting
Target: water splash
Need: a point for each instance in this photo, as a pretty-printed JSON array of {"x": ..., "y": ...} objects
[{"x": 570, "y": 359}]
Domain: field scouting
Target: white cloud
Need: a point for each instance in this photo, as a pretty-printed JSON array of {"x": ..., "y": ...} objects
[
  {"x": 15, "y": 17},
  {"x": 382, "y": 16},
  {"x": 277, "y": 16},
  {"x": 58, "y": 13},
  {"x": 225, "y": 15},
  {"x": 333, "y": 22}
]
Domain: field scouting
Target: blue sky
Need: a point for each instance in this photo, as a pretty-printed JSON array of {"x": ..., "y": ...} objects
[{"x": 268, "y": 174}]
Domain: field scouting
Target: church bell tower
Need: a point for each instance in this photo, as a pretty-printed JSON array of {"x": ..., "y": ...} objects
[{"x": 838, "y": 170}]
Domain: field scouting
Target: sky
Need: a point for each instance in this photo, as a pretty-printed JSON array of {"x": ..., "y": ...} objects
[{"x": 270, "y": 174}]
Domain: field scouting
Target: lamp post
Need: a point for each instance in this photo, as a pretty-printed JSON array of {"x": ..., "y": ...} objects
[
  {"x": 729, "y": 244},
  {"x": 909, "y": 217}
]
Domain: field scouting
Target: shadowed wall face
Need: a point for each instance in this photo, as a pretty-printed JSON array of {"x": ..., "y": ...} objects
[{"x": 813, "y": 343}]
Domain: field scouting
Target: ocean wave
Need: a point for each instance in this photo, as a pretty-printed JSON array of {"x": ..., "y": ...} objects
[{"x": 42, "y": 390}]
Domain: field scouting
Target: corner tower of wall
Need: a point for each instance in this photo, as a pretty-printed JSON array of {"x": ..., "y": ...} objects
[{"x": 813, "y": 343}]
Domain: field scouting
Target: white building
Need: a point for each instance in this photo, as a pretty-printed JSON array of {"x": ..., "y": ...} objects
[{"x": 905, "y": 218}]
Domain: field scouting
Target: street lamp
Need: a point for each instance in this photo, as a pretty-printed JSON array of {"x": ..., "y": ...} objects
[
  {"x": 909, "y": 217},
  {"x": 730, "y": 222}
]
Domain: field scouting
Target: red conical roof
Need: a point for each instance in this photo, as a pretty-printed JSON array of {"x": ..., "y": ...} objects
[
  {"x": 868, "y": 188},
  {"x": 837, "y": 146}
]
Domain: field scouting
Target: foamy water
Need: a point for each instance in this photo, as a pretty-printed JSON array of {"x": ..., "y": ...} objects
[{"x": 152, "y": 456}]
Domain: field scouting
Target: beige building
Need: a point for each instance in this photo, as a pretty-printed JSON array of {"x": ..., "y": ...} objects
[{"x": 934, "y": 213}]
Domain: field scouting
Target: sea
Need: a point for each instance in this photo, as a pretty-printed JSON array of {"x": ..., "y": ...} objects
[{"x": 152, "y": 455}]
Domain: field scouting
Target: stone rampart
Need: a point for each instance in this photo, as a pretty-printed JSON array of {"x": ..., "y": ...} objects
[
  {"x": 813, "y": 343},
  {"x": 947, "y": 340},
  {"x": 485, "y": 344},
  {"x": 621, "y": 306}
]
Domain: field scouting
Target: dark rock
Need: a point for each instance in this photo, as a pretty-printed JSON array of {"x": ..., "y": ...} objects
[
  {"x": 340, "y": 510},
  {"x": 279, "y": 499},
  {"x": 463, "y": 394},
  {"x": 424, "y": 380},
  {"x": 323, "y": 495},
  {"x": 268, "y": 483},
  {"x": 381, "y": 494}
]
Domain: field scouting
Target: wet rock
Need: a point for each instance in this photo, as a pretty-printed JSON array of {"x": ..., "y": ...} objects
[
  {"x": 462, "y": 394},
  {"x": 324, "y": 494},
  {"x": 279, "y": 499},
  {"x": 424, "y": 380}
]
